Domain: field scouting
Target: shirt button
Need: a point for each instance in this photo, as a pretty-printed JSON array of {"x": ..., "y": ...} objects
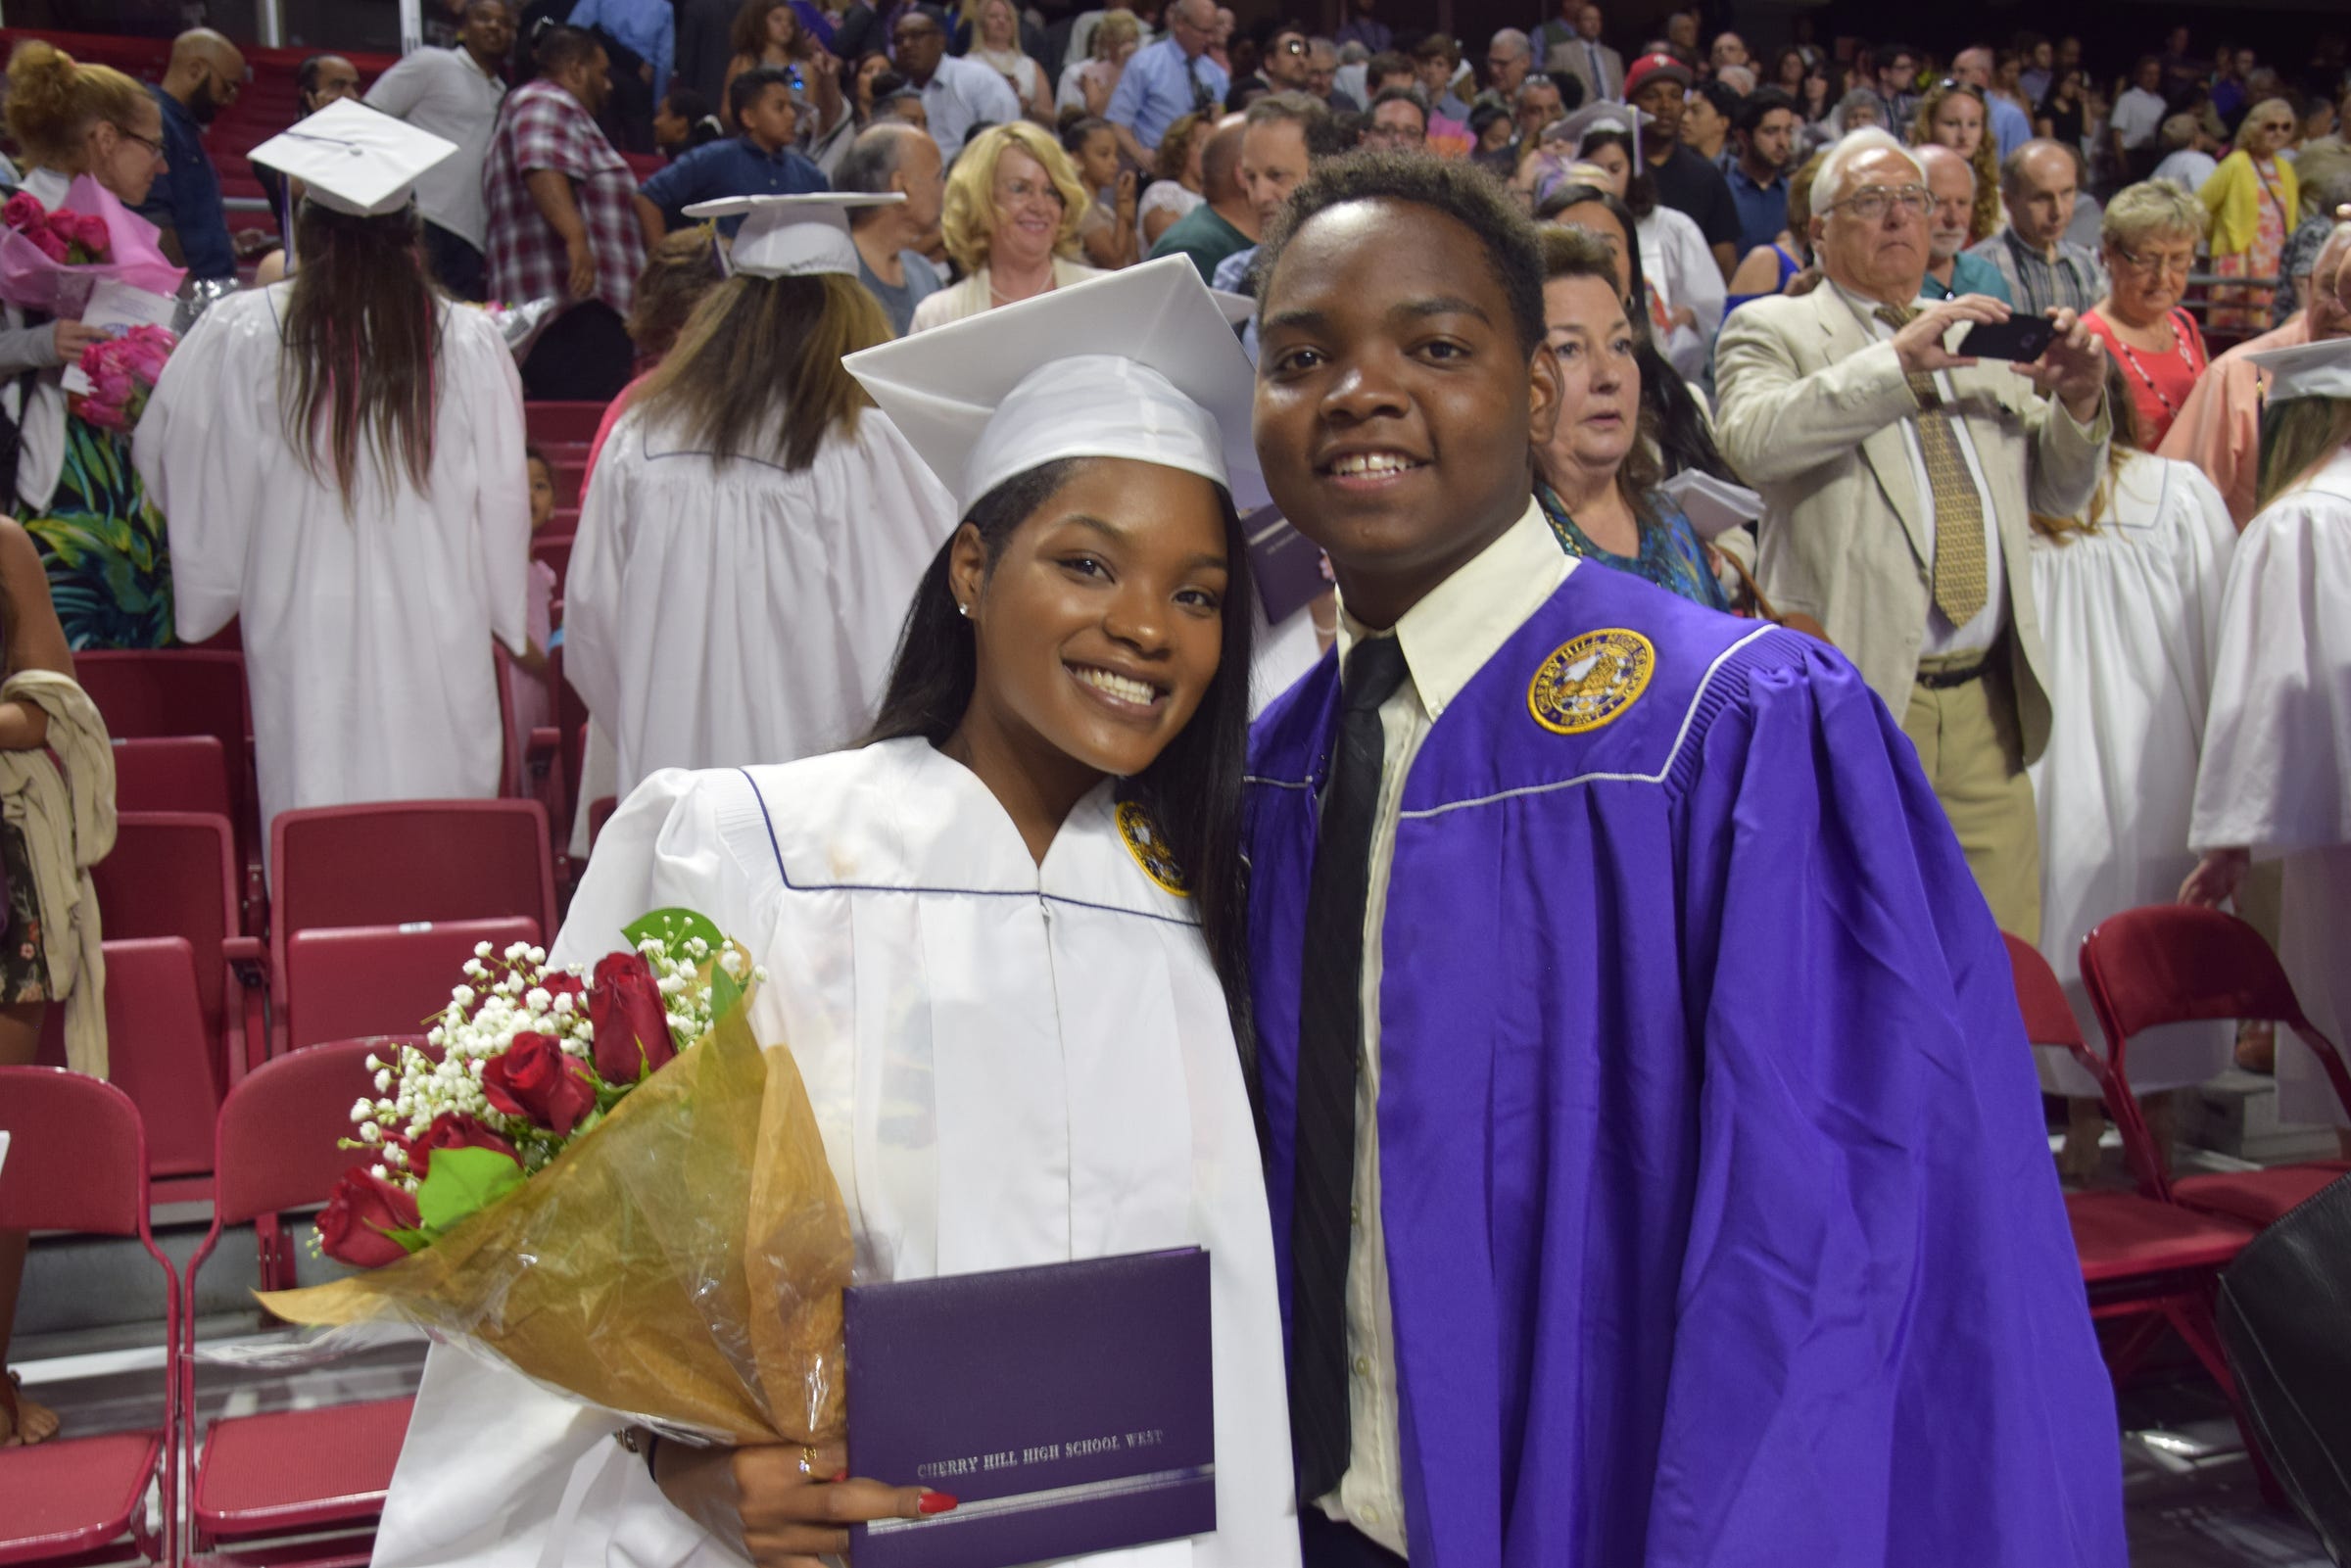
[
  {"x": 1371, "y": 1514},
  {"x": 1363, "y": 1366},
  {"x": 1355, "y": 1215}
]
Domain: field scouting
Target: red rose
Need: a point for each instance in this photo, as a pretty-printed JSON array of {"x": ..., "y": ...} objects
[
  {"x": 51, "y": 246},
  {"x": 631, "y": 1020},
  {"x": 65, "y": 224},
  {"x": 536, "y": 1080},
  {"x": 23, "y": 212},
  {"x": 352, "y": 1226},
  {"x": 96, "y": 238},
  {"x": 450, "y": 1130}
]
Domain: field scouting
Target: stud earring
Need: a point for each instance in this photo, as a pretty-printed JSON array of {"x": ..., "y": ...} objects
[{"x": 963, "y": 609}]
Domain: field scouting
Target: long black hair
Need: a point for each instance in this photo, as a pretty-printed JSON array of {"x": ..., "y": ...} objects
[
  {"x": 1192, "y": 789},
  {"x": 1684, "y": 440}
]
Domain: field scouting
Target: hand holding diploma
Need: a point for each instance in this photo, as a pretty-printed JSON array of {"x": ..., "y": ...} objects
[{"x": 782, "y": 1506}]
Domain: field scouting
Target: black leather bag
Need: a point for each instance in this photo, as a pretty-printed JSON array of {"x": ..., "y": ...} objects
[{"x": 2285, "y": 1314}]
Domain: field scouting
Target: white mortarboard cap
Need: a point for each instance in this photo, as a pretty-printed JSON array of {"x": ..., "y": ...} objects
[
  {"x": 353, "y": 159},
  {"x": 1604, "y": 116},
  {"x": 2308, "y": 370},
  {"x": 793, "y": 236},
  {"x": 1140, "y": 363}
]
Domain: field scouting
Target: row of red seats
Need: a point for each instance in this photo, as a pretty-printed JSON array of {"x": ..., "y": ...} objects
[
  {"x": 2151, "y": 1259},
  {"x": 299, "y": 1488}
]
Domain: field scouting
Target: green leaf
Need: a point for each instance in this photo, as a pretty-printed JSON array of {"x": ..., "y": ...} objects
[
  {"x": 675, "y": 927},
  {"x": 725, "y": 993},
  {"x": 414, "y": 1241},
  {"x": 462, "y": 1181}
]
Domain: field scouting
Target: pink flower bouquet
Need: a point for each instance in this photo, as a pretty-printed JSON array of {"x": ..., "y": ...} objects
[
  {"x": 51, "y": 261},
  {"x": 122, "y": 373}
]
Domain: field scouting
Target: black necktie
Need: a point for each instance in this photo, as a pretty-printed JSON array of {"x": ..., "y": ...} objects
[{"x": 1330, "y": 1036}]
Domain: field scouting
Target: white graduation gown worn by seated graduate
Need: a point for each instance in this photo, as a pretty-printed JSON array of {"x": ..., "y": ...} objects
[
  {"x": 2129, "y": 615},
  {"x": 1012, "y": 1064},
  {"x": 2277, "y": 771},
  {"x": 722, "y": 613},
  {"x": 366, "y": 634}
]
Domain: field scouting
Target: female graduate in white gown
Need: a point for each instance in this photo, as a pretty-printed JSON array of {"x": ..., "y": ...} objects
[
  {"x": 1002, "y": 943},
  {"x": 370, "y": 530},
  {"x": 754, "y": 529},
  {"x": 2130, "y": 607},
  {"x": 2276, "y": 782}
]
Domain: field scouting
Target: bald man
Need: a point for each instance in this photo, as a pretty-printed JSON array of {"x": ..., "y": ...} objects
[
  {"x": 205, "y": 77},
  {"x": 1227, "y": 222}
]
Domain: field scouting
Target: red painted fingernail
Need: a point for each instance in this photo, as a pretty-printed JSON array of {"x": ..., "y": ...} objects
[
  {"x": 843, "y": 1476},
  {"x": 936, "y": 1502}
]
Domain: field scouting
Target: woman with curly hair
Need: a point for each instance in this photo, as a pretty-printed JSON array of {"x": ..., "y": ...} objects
[
  {"x": 1953, "y": 115},
  {"x": 1013, "y": 208}
]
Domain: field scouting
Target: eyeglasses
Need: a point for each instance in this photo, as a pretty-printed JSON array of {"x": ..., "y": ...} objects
[
  {"x": 1871, "y": 205},
  {"x": 148, "y": 142},
  {"x": 2155, "y": 264},
  {"x": 1021, "y": 190}
]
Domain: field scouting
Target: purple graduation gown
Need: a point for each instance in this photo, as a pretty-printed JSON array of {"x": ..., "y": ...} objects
[{"x": 1720, "y": 1218}]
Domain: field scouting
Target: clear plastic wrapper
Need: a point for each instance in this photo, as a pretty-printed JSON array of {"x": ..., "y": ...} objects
[{"x": 680, "y": 1264}]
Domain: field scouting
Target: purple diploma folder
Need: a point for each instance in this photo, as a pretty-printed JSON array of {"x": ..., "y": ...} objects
[{"x": 1067, "y": 1409}]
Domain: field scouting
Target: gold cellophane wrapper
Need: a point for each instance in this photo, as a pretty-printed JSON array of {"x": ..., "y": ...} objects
[{"x": 680, "y": 1264}]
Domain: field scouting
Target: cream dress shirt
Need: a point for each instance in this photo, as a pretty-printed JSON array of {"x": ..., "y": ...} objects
[{"x": 1448, "y": 638}]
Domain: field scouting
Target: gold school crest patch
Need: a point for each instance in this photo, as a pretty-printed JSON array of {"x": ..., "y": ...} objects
[
  {"x": 1588, "y": 683},
  {"x": 1150, "y": 849}
]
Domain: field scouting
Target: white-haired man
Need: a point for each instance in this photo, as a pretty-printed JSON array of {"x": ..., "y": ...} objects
[
  {"x": 1898, "y": 480},
  {"x": 1952, "y": 182}
]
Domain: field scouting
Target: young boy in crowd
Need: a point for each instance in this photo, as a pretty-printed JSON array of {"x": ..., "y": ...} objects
[{"x": 1656, "y": 1157}]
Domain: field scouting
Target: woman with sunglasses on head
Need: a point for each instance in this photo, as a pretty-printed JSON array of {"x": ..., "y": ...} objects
[
  {"x": 1004, "y": 943},
  {"x": 70, "y": 481}
]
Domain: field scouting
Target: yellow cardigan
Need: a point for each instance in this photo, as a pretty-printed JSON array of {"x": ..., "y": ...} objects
[{"x": 2233, "y": 196}]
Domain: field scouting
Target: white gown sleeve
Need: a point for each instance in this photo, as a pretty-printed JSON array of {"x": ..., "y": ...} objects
[
  {"x": 487, "y": 393},
  {"x": 2204, "y": 548},
  {"x": 2275, "y": 775},
  {"x": 592, "y": 583},
  {"x": 195, "y": 452}
]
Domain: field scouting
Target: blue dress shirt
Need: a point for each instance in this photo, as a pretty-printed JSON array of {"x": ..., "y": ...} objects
[
  {"x": 647, "y": 26},
  {"x": 187, "y": 199},
  {"x": 1158, "y": 88}
]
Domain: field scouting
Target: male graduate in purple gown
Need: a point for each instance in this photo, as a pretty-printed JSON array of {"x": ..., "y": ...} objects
[{"x": 1657, "y": 1156}]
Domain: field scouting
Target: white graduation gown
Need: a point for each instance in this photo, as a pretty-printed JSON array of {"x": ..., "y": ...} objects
[
  {"x": 2129, "y": 615},
  {"x": 366, "y": 635},
  {"x": 2277, "y": 771},
  {"x": 1680, "y": 270},
  {"x": 1012, "y": 1064},
  {"x": 719, "y": 614}
]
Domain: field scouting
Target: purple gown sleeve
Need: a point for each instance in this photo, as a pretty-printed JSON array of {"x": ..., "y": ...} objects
[{"x": 1883, "y": 1353}]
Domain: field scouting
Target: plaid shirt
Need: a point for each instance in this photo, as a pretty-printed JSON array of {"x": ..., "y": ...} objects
[{"x": 546, "y": 127}]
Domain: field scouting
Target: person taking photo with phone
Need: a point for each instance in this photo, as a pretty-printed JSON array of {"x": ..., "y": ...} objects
[{"x": 1899, "y": 476}]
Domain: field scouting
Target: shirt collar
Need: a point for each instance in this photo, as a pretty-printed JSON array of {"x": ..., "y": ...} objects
[{"x": 1464, "y": 620}]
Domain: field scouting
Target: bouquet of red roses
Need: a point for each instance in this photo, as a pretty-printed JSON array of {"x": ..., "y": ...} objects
[
  {"x": 606, "y": 1182},
  {"x": 65, "y": 236},
  {"x": 122, "y": 373}
]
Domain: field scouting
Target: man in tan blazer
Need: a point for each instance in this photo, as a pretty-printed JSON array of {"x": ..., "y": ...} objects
[
  {"x": 1869, "y": 439},
  {"x": 1572, "y": 44}
]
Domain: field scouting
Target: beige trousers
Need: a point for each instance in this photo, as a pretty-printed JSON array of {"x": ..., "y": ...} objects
[{"x": 1969, "y": 744}]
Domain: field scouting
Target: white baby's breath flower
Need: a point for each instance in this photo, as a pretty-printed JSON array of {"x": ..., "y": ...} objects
[
  {"x": 515, "y": 950},
  {"x": 361, "y": 1110},
  {"x": 537, "y": 999},
  {"x": 564, "y": 1005},
  {"x": 370, "y": 1132},
  {"x": 536, "y": 955},
  {"x": 383, "y": 1081},
  {"x": 380, "y": 1172},
  {"x": 481, "y": 950},
  {"x": 463, "y": 996}
]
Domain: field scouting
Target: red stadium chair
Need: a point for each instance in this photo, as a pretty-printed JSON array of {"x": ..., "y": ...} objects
[
  {"x": 550, "y": 424},
  {"x": 398, "y": 863},
  {"x": 2143, "y": 1258},
  {"x": 2171, "y": 964},
  {"x": 161, "y": 1054},
  {"x": 352, "y": 981},
  {"x": 77, "y": 1162},
  {"x": 167, "y": 692},
  {"x": 174, "y": 773},
  {"x": 319, "y": 1474},
  {"x": 173, "y": 873}
]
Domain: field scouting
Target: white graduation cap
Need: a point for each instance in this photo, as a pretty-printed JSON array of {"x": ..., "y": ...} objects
[
  {"x": 793, "y": 236},
  {"x": 1140, "y": 363},
  {"x": 2308, "y": 370},
  {"x": 353, "y": 159},
  {"x": 1623, "y": 118}
]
